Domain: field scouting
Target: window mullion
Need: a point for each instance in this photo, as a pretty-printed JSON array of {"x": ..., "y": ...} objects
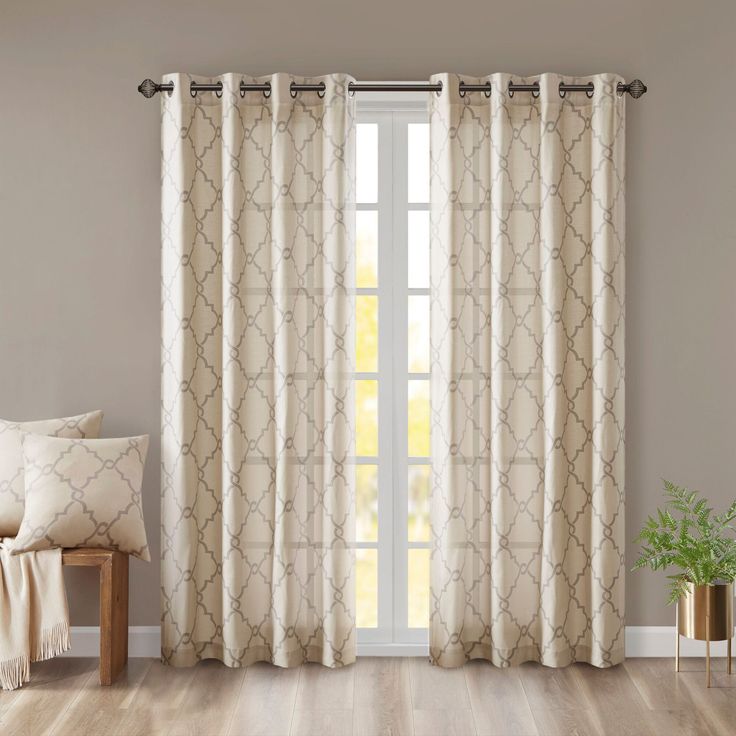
[
  {"x": 385, "y": 383},
  {"x": 399, "y": 267}
]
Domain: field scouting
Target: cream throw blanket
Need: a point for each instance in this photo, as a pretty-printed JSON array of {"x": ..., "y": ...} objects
[{"x": 34, "y": 617}]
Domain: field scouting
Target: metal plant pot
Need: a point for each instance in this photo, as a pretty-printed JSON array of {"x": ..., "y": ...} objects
[{"x": 705, "y": 613}]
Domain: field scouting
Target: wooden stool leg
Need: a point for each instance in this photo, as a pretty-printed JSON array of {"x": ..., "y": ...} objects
[{"x": 113, "y": 617}]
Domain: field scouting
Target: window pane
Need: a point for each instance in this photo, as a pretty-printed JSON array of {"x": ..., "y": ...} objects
[
  {"x": 418, "y": 134},
  {"x": 418, "y": 418},
  {"x": 366, "y": 588},
  {"x": 366, "y": 333},
  {"x": 419, "y": 503},
  {"x": 418, "y": 588},
  {"x": 419, "y": 334},
  {"x": 366, "y": 162},
  {"x": 366, "y": 227},
  {"x": 366, "y": 502},
  {"x": 366, "y": 412},
  {"x": 418, "y": 246}
]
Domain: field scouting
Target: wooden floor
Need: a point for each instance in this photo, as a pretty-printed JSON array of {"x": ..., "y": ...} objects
[{"x": 375, "y": 696}]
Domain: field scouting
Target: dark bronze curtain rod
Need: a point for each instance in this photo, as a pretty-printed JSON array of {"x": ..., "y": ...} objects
[{"x": 148, "y": 88}]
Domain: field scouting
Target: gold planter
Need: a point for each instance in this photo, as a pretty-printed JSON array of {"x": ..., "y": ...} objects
[{"x": 705, "y": 613}]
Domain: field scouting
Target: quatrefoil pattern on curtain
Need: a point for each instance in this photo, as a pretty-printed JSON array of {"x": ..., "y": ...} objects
[
  {"x": 527, "y": 375},
  {"x": 257, "y": 384}
]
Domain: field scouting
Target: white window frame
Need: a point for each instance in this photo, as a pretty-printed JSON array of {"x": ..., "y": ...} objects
[{"x": 392, "y": 112}]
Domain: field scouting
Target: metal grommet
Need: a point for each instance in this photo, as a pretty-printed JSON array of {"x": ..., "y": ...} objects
[
  {"x": 560, "y": 90},
  {"x": 218, "y": 92},
  {"x": 535, "y": 92},
  {"x": 267, "y": 92},
  {"x": 292, "y": 91},
  {"x": 351, "y": 89},
  {"x": 192, "y": 90},
  {"x": 439, "y": 91},
  {"x": 510, "y": 89},
  {"x": 461, "y": 89},
  {"x": 322, "y": 91},
  {"x": 241, "y": 88},
  {"x": 490, "y": 89},
  {"x": 590, "y": 91}
]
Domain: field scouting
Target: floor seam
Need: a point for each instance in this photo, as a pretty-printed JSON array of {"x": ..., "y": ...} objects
[
  {"x": 59, "y": 719},
  {"x": 235, "y": 704},
  {"x": 296, "y": 697},
  {"x": 470, "y": 700}
]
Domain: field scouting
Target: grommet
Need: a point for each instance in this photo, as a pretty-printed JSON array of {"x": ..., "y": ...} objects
[
  {"x": 322, "y": 90},
  {"x": 535, "y": 91},
  {"x": 510, "y": 89},
  {"x": 242, "y": 88},
  {"x": 461, "y": 89},
  {"x": 439, "y": 91},
  {"x": 267, "y": 92},
  {"x": 218, "y": 92},
  {"x": 351, "y": 89},
  {"x": 192, "y": 90},
  {"x": 560, "y": 90},
  {"x": 292, "y": 91},
  {"x": 490, "y": 89},
  {"x": 590, "y": 91}
]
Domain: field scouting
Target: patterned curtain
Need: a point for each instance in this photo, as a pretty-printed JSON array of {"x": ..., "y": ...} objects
[
  {"x": 257, "y": 387},
  {"x": 527, "y": 378}
]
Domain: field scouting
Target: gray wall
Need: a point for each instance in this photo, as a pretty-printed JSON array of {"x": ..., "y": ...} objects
[{"x": 79, "y": 201}]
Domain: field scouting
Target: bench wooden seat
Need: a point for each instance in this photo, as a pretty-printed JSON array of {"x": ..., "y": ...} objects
[{"x": 113, "y": 567}]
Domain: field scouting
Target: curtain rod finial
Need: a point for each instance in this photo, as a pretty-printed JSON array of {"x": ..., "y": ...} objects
[
  {"x": 148, "y": 88},
  {"x": 637, "y": 88}
]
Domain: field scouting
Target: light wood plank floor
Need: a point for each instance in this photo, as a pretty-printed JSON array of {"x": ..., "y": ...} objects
[{"x": 396, "y": 697}]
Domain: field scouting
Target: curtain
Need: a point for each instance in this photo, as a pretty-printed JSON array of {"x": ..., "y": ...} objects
[
  {"x": 257, "y": 366},
  {"x": 527, "y": 374}
]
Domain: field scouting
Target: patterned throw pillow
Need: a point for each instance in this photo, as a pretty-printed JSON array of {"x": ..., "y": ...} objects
[
  {"x": 11, "y": 459},
  {"x": 83, "y": 493}
]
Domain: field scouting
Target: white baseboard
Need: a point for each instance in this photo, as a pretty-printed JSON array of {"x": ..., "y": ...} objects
[
  {"x": 659, "y": 641},
  {"x": 373, "y": 649},
  {"x": 641, "y": 641},
  {"x": 143, "y": 641}
]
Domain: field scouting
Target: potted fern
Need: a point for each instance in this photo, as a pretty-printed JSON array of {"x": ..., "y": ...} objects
[{"x": 701, "y": 546}]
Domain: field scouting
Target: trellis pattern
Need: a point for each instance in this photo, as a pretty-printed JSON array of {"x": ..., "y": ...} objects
[
  {"x": 527, "y": 375},
  {"x": 257, "y": 385},
  {"x": 12, "y": 484},
  {"x": 83, "y": 493}
]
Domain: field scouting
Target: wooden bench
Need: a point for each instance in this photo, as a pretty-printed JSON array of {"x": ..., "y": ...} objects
[{"x": 113, "y": 605}]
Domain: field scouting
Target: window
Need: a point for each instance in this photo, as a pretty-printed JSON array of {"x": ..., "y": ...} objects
[{"x": 392, "y": 389}]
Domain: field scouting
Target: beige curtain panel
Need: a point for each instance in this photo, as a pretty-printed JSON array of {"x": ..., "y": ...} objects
[
  {"x": 527, "y": 375},
  {"x": 257, "y": 415}
]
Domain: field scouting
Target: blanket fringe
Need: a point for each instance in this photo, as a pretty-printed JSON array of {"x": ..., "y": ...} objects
[
  {"x": 14, "y": 672},
  {"x": 53, "y": 642}
]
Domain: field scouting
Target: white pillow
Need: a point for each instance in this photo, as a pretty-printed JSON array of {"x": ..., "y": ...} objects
[
  {"x": 83, "y": 493},
  {"x": 11, "y": 459}
]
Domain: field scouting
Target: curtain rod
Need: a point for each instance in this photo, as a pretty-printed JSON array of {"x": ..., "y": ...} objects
[{"x": 148, "y": 88}]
